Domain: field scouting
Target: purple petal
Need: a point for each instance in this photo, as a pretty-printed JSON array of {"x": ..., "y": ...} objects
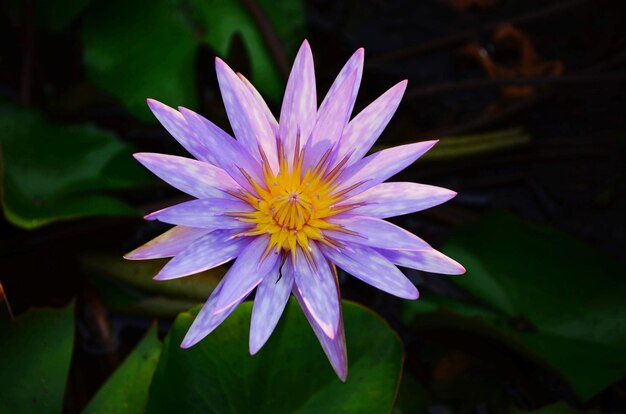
[
  {"x": 319, "y": 290},
  {"x": 262, "y": 104},
  {"x": 246, "y": 117},
  {"x": 168, "y": 244},
  {"x": 247, "y": 272},
  {"x": 378, "y": 167},
  {"x": 335, "y": 349},
  {"x": 206, "y": 213},
  {"x": 207, "y": 321},
  {"x": 331, "y": 120},
  {"x": 363, "y": 131},
  {"x": 232, "y": 155},
  {"x": 429, "y": 260},
  {"x": 176, "y": 125},
  {"x": 299, "y": 108},
  {"x": 373, "y": 268},
  {"x": 211, "y": 250},
  {"x": 394, "y": 199},
  {"x": 354, "y": 64},
  {"x": 195, "y": 178},
  {"x": 375, "y": 232},
  {"x": 269, "y": 303}
]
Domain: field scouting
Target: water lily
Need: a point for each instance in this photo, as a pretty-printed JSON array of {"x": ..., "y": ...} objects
[{"x": 291, "y": 200}]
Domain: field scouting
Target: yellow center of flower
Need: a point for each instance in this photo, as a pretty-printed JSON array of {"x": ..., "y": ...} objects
[{"x": 293, "y": 206}]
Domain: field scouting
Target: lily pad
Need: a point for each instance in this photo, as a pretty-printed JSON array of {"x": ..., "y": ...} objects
[
  {"x": 290, "y": 374},
  {"x": 544, "y": 293},
  {"x": 35, "y": 360},
  {"x": 127, "y": 389},
  {"x": 52, "y": 172},
  {"x": 148, "y": 51}
]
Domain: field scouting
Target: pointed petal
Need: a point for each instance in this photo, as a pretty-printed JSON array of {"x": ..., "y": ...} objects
[
  {"x": 232, "y": 155},
  {"x": 206, "y": 213},
  {"x": 354, "y": 64},
  {"x": 168, "y": 244},
  {"x": 247, "y": 272},
  {"x": 331, "y": 121},
  {"x": 375, "y": 232},
  {"x": 378, "y": 167},
  {"x": 371, "y": 267},
  {"x": 363, "y": 131},
  {"x": 246, "y": 117},
  {"x": 319, "y": 289},
  {"x": 209, "y": 251},
  {"x": 335, "y": 349},
  {"x": 195, "y": 178},
  {"x": 176, "y": 125},
  {"x": 299, "y": 108},
  {"x": 269, "y": 303},
  {"x": 428, "y": 260},
  {"x": 207, "y": 321},
  {"x": 262, "y": 104},
  {"x": 394, "y": 199}
]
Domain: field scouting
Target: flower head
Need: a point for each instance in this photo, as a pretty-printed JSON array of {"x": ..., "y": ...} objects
[{"x": 291, "y": 201}]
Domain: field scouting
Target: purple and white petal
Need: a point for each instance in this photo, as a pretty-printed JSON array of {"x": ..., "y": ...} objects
[
  {"x": 208, "y": 213},
  {"x": 319, "y": 289},
  {"x": 209, "y": 251},
  {"x": 374, "y": 232},
  {"x": 233, "y": 157},
  {"x": 193, "y": 177},
  {"x": 168, "y": 244},
  {"x": 378, "y": 167},
  {"x": 271, "y": 119},
  {"x": 176, "y": 125},
  {"x": 206, "y": 321},
  {"x": 354, "y": 65},
  {"x": 363, "y": 131},
  {"x": 299, "y": 108},
  {"x": 246, "y": 117},
  {"x": 269, "y": 303},
  {"x": 397, "y": 198},
  {"x": 252, "y": 265},
  {"x": 374, "y": 269},
  {"x": 331, "y": 121},
  {"x": 335, "y": 349},
  {"x": 428, "y": 260}
]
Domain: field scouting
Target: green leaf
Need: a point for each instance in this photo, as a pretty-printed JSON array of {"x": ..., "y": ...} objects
[
  {"x": 139, "y": 273},
  {"x": 127, "y": 389},
  {"x": 56, "y": 172},
  {"x": 148, "y": 50},
  {"x": 543, "y": 293},
  {"x": 35, "y": 360},
  {"x": 290, "y": 374}
]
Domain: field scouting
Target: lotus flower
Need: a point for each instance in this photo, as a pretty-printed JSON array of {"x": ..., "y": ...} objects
[{"x": 290, "y": 201}]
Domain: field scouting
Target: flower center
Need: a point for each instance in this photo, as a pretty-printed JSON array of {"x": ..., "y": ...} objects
[{"x": 293, "y": 206}]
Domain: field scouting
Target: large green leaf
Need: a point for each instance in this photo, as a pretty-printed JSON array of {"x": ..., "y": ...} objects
[
  {"x": 289, "y": 375},
  {"x": 35, "y": 352},
  {"x": 135, "y": 50},
  {"x": 543, "y": 293},
  {"x": 54, "y": 172},
  {"x": 127, "y": 389}
]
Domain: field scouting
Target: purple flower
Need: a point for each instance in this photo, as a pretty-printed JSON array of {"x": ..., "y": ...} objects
[{"x": 290, "y": 201}]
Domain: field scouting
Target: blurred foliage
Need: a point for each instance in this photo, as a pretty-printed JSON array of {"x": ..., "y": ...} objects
[
  {"x": 290, "y": 374},
  {"x": 453, "y": 147},
  {"x": 149, "y": 52},
  {"x": 544, "y": 294},
  {"x": 55, "y": 172},
  {"x": 127, "y": 286},
  {"x": 35, "y": 360},
  {"x": 127, "y": 389}
]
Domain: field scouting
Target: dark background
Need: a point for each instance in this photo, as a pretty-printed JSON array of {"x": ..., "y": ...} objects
[{"x": 528, "y": 98}]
